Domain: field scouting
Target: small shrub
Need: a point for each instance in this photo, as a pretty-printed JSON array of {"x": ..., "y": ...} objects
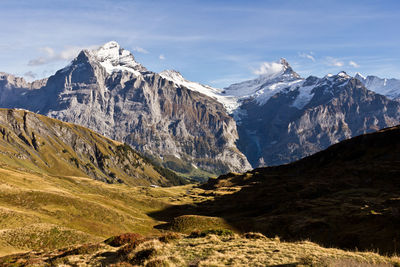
[
  {"x": 168, "y": 237},
  {"x": 120, "y": 240},
  {"x": 128, "y": 248},
  {"x": 219, "y": 232},
  {"x": 141, "y": 256},
  {"x": 252, "y": 235}
]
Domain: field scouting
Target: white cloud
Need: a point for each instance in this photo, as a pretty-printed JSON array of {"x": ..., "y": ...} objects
[
  {"x": 162, "y": 57},
  {"x": 48, "y": 50},
  {"x": 353, "y": 64},
  {"x": 38, "y": 61},
  {"x": 269, "y": 68},
  {"x": 308, "y": 56},
  {"x": 334, "y": 62},
  {"x": 30, "y": 75},
  {"x": 140, "y": 50},
  {"x": 50, "y": 55}
]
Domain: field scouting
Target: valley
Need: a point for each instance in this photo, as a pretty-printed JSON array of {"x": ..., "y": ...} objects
[
  {"x": 199, "y": 133},
  {"x": 277, "y": 211}
]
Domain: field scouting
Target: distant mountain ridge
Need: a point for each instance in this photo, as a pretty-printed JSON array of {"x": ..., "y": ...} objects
[
  {"x": 302, "y": 118},
  {"x": 387, "y": 87},
  {"x": 282, "y": 117}
]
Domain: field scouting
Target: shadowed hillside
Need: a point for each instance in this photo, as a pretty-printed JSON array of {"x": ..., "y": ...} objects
[{"x": 346, "y": 196}]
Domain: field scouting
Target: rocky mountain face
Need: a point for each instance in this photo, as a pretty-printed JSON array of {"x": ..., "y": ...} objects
[
  {"x": 107, "y": 91},
  {"x": 285, "y": 118},
  {"x": 39, "y": 144}
]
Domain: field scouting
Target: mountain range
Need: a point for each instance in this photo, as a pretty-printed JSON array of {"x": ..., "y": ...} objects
[
  {"x": 107, "y": 91},
  {"x": 192, "y": 128}
]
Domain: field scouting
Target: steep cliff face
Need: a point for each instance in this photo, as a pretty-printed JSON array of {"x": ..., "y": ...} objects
[
  {"x": 108, "y": 91},
  {"x": 40, "y": 144},
  {"x": 300, "y": 120}
]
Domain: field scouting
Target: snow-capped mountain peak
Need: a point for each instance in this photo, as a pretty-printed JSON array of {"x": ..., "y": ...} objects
[
  {"x": 116, "y": 59},
  {"x": 266, "y": 85},
  {"x": 359, "y": 76},
  {"x": 173, "y": 75},
  {"x": 287, "y": 69},
  {"x": 343, "y": 74},
  {"x": 230, "y": 102}
]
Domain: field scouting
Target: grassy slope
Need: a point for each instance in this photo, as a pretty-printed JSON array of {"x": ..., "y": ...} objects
[
  {"x": 94, "y": 209},
  {"x": 34, "y": 142},
  {"x": 347, "y": 196},
  {"x": 318, "y": 199},
  {"x": 208, "y": 250},
  {"x": 42, "y": 211}
]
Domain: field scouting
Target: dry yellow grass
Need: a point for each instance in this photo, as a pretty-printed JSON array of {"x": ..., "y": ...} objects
[
  {"x": 78, "y": 205},
  {"x": 214, "y": 250},
  {"x": 211, "y": 250}
]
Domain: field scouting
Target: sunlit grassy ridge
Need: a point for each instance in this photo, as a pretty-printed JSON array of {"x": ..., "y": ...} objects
[{"x": 33, "y": 142}]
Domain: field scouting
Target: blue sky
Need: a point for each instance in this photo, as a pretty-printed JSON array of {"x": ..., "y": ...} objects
[{"x": 212, "y": 42}]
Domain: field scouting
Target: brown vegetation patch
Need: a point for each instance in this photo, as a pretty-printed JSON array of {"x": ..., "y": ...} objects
[{"x": 119, "y": 240}]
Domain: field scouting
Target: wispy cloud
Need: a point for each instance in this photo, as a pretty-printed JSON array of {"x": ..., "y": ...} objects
[
  {"x": 140, "y": 50},
  {"x": 162, "y": 57},
  {"x": 353, "y": 64},
  {"x": 50, "y": 55},
  {"x": 30, "y": 75},
  {"x": 331, "y": 61},
  {"x": 268, "y": 68},
  {"x": 308, "y": 56}
]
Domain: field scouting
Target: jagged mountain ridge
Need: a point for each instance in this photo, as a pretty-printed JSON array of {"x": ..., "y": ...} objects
[
  {"x": 387, "y": 87},
  {"x": 44, "y": 145},
  {"x": 303, "y": 119},
  {"x": 283, "y": 117},
  {"x": 108, "y": 91},
  {"x": 278, "y": 116}
]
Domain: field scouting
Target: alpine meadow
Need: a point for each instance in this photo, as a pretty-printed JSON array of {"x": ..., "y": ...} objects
[{"x": 200, "y": 133}]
